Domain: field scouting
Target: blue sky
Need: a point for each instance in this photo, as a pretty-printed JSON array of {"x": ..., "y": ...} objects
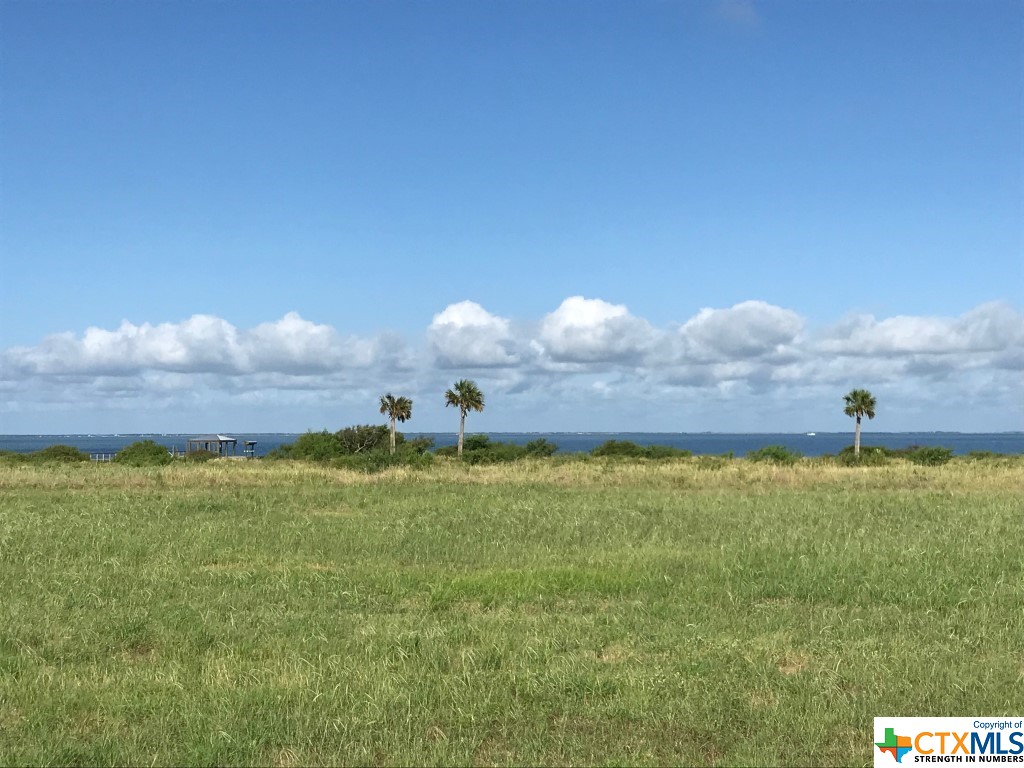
[{"x": 673, "y": 216}]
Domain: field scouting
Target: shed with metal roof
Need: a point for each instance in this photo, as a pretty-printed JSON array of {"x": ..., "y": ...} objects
[{"x": 222, "y": 445}]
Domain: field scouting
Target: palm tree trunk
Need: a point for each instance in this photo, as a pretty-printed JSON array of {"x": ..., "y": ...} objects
[
  {"x": 462, "y": 428},
  {"x": 856, "y": 438},
  {"x": 392, "y": 435}
]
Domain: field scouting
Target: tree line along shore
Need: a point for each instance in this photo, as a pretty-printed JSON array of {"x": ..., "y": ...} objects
[
  {"x": 372, "y": 448},
  {"x": 367, "y": 448}
]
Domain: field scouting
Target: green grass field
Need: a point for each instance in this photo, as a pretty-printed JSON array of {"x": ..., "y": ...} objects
[{"x": 546, "y": 612}]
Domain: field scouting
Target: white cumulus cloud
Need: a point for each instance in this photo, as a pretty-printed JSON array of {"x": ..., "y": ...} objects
[
  {"x": 750, "y": 329},
  {"x": 594, "y": 331},
  {"x": 295, "y": 345},
  {"x": 200, "y": 344},
  {"x": 467, "y": 335},
  {"x": 755, "y": 356},
  {"x": 994, "y": 329}
]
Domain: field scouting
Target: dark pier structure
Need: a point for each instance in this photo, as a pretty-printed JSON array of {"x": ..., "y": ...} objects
[{"x": 222, "y": 445}]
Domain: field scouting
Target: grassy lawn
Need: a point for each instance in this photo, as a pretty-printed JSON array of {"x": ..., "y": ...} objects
[{"x": 548, "y": 612}]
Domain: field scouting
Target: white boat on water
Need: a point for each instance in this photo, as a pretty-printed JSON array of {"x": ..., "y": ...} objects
[{"x": 810, "y": 434}]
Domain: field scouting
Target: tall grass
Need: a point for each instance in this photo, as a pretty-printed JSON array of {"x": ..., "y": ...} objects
[{"x": 545, "y": 612}]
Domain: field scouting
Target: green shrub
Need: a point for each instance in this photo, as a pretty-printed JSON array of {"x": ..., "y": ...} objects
[
  {"x": 880, "y": 450},
  {"x": 985, "y": 456},
  {"x": 870, "y": 456},
  {"x": 144, "y": 453},
  {"x": 931, "y": 456},
  {"x": 373, "y": 462},
  {"x": 477, "y": 443},
  {"x": 496, "y": 453},
  {"x": 358, "y": 462},
  {"x": 363, "y": 438},
  {"x": 415, "y": 459},
  {"x": 904, "y": 453},
  {"x": 14, "y": 457},
  {"x": 480, "y": 449},
  {"x": 540, "y": 447},
  {"x": 665, "y": 452},
  {"x": 52, "y": 454},
  {"x": 469, "y": 443},
  {"x": 312, "y": 446},
  {"x": 419, "y": 445},
  {"x": 619, "y": 448},
  {"x": 877, "y": 455},
  {"x": 897, "y": 453},
  {"x": 357, "y": 440},
  {"x": 60, "y": 454},
  {"x": 629, "y": 450},
  {"x": 200, "y": 456},
  {"x": 774, "y": 454}
]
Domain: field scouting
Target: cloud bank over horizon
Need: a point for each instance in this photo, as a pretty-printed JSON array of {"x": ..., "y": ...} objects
[{"x": 588, "y": 364}]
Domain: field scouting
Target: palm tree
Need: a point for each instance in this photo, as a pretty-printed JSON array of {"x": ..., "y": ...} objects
[
  {"x": 397, "y": 409},
  {"x": 859, "y": 403},
  {"x": 466, "y": 396}
]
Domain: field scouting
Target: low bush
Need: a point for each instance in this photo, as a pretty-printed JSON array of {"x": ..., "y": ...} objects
[
  {"x": 479, "y": 443},
  {"x": 144, "y": 453},
  {"x": 364, "y": 448},
  {"x": 418, "y": 445},
  {"x": 870, "y": 456},
  {"x": 52, "y": 454},
  {"x": 363, "y": 438},
  {"x": 477, "y": 452},
  {"x": 358, "y": 440},
  {"x": 932, "y": 456},
  {"x": 774, "y": 454},
  {"x": 897, "y": 453},
  {"x": 986, "y": 456},
  {"x": 312, "y": 446},
  {"x": 629, "y": 450},
  {"x": 60, "y": 454},
  {"x": 879, "y": 455},
  {"x": 480, "y": 449},
  {"x": 497, "y": 453},
  {"x": 373, "y": 462},
  {"x": 618, "y": 448},
  {"x": 540, "y": 447},
  {"x": 889, "y": 453},
  {"x": 665, "y": 452},
  {"x": 200, "y": 456}
]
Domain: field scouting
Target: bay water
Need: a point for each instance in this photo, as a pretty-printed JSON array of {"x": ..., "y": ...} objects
[{"x": 808, "y": 444}]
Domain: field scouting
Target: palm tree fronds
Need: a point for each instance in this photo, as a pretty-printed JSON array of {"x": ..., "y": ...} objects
[{"x": 465, "y": 395}]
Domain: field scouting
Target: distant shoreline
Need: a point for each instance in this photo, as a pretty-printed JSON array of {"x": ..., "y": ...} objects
[
  {"x": 500, "y": 432},
  {"x": 701, "y": 443}
]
